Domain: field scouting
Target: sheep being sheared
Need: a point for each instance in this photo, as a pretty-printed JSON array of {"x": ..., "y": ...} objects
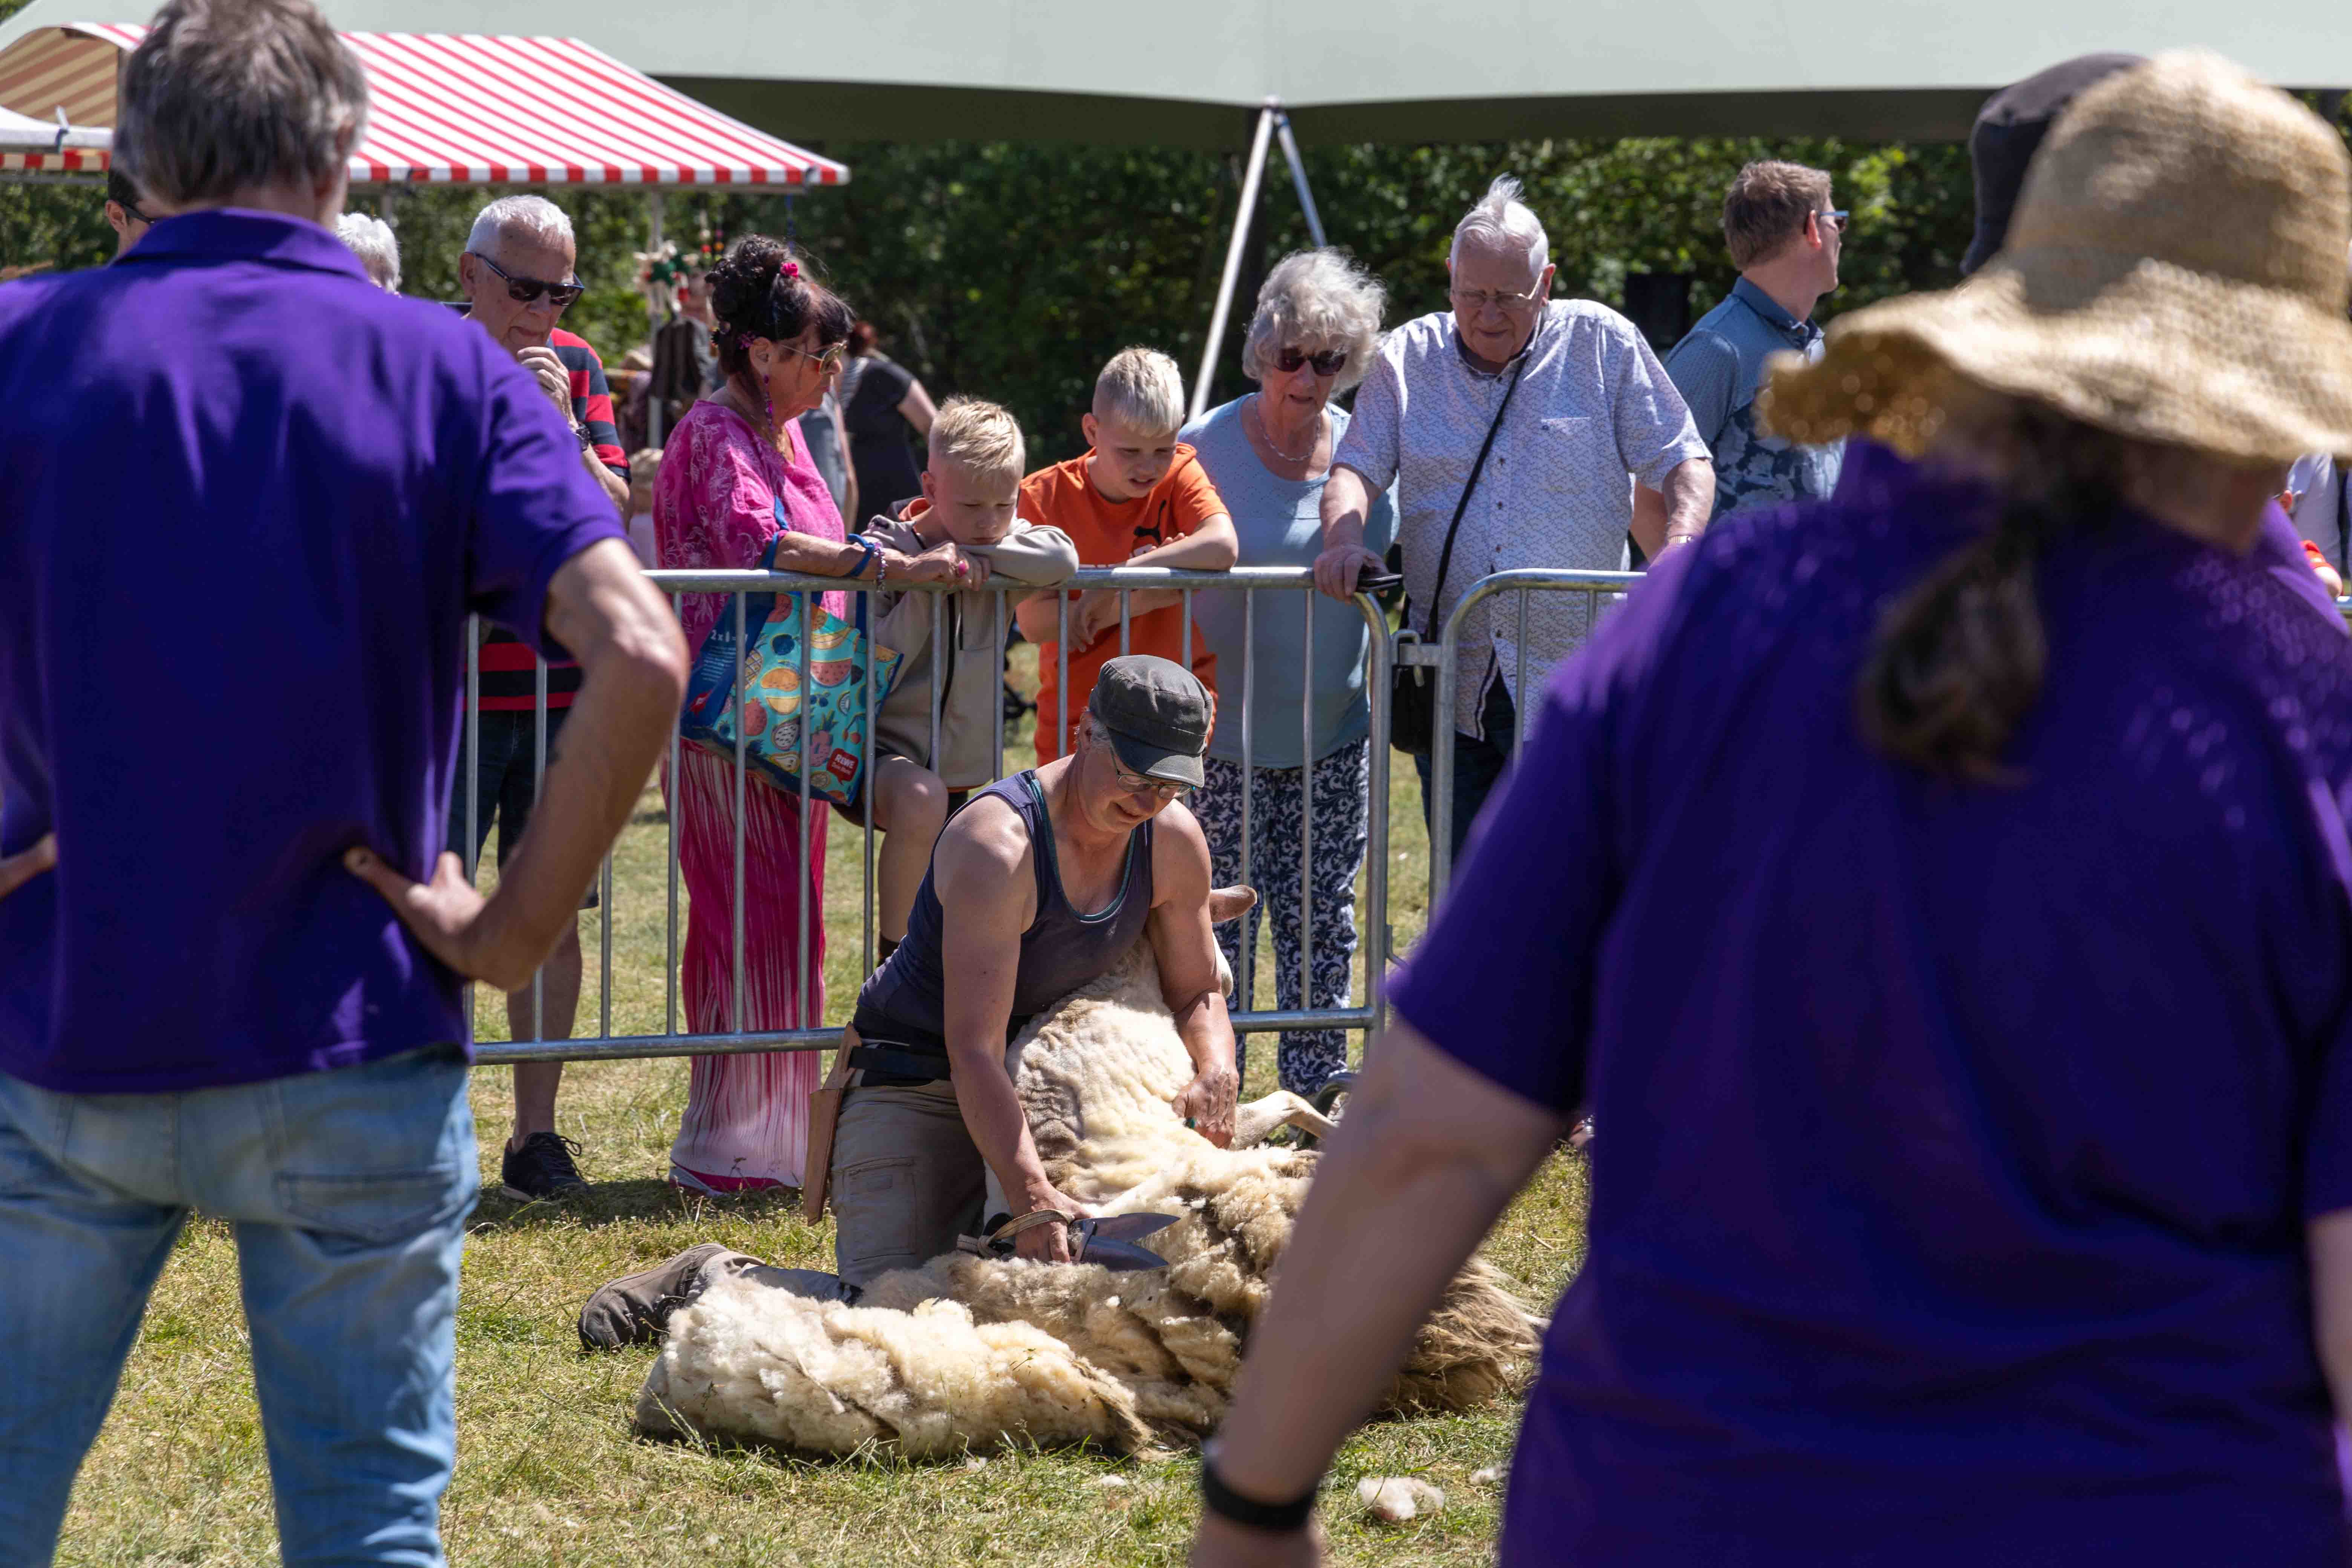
[{"x": 969, "y": 1350}]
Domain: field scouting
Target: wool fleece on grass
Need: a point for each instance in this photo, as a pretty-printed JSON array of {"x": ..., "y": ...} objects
[{"x": 968, "y": 1352}]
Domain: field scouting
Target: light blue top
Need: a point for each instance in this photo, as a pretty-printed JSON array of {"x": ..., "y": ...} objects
[
  {"x": 1718, "y": 368},
  {"x": 1280, "y": 523}
]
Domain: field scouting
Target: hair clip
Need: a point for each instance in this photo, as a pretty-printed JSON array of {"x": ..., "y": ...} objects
[{"x": 792, "y": 269}]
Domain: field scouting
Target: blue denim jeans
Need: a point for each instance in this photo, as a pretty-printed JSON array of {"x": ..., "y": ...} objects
[{"x": 349, "y": 1192}]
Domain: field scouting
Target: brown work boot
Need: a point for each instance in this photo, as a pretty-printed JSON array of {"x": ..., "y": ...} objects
[{"x": 636, "y": 1308}]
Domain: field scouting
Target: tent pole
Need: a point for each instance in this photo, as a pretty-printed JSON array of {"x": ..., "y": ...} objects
[
  {"x": 1298, "y": 178},
  {"x": 1241, "y": 215}
]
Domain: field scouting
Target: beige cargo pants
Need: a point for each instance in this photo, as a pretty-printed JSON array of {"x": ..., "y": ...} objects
[{"x": 907, "y": 1179}]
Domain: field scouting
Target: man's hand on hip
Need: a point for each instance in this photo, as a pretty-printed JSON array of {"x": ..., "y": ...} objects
[
  {"x": 444, "y": 916},
  {"x": 21, "y": 867}
]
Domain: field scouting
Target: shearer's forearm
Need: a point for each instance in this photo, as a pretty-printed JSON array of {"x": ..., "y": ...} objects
[
  {"x": 1428, "y": 1155},
  {"x": 1207, "y": 1030},
  {"x": 992, "y": 1114},
  {"x": 1689, "y": 496}
]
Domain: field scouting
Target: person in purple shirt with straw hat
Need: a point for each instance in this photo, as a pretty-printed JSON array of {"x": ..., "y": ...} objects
[
  {"x": 230, "y": 677},
  {"x": 1954, "y": 934}
]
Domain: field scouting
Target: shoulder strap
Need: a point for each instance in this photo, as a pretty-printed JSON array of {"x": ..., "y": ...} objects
[{"x": 1446, "y": 556}]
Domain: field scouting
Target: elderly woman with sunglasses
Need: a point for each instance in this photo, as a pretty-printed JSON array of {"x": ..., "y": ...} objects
[
  {"x": 736, "y": 475},
  {"x": 1294, "y": 727}
]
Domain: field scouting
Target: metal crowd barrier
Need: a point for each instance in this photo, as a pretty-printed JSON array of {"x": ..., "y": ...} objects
[
  {"x": 1252, "y": 582},
  {"x": 1599, "y": 589}
]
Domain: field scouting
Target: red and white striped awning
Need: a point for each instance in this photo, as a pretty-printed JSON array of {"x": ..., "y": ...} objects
[{"x": 456, "y": 108}]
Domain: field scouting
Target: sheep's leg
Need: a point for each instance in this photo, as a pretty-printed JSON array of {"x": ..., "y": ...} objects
[{"x": 1253, "y": 1123}]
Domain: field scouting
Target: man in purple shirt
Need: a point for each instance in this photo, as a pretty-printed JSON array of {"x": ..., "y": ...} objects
[{"x": 230, "y": 673}]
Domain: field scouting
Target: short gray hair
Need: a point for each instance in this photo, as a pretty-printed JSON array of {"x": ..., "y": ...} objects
[
  {"x": 1317, "y": 300},
  {"x": 1500, "y": 219},
  {"x": 372, "y": 240},
  {"x": 224, "y": 95},
  {"x": 537, "y": 216}
]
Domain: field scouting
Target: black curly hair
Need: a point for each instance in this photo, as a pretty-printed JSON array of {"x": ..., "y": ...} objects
[{"x": 754, "y": 297}]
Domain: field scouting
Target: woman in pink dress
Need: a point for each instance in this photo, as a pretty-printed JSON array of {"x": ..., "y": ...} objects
[{"x": 727, "y": 464}]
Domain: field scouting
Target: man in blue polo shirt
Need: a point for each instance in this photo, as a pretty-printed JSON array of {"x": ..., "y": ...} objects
[
  {"x": 229, "y": 686},
  {"x": 1785, "y": 239}
]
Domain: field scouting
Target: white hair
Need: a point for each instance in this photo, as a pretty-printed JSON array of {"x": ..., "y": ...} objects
[
  {"x": 1317, "y": 300},
  {"x": 372, "y": 240},
  {"x": 1504, "y": 222},
  {"x": 537, "y": 216}
]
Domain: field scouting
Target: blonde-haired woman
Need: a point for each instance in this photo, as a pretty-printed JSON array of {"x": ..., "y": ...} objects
[{"x": 1270, "y": 453}]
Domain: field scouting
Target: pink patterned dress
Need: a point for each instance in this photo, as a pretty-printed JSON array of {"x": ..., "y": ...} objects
[{"x": 746, "y": 1122}]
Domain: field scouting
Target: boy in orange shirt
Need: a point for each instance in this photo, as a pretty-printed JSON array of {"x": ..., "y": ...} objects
[{"x": 1138, "y": 499}]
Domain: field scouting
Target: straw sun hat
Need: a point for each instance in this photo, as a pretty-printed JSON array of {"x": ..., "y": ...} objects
[{"x": 2175, "y": 273}]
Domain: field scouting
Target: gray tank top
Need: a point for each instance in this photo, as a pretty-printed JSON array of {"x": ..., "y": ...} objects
[{"x": 903, "y": 1002}]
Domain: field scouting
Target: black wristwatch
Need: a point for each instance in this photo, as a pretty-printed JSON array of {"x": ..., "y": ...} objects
[
  {"x": 580, "y": 434},
  {"x": 1274, "y": 1518}
]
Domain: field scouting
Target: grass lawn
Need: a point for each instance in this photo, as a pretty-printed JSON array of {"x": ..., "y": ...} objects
[{"x": 548, "y": 1471}]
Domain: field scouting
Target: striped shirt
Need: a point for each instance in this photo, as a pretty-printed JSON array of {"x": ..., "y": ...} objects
[{"x": 509, "y": 675}]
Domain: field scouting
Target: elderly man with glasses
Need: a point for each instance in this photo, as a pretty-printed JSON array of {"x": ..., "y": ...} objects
[
  {"x": 1514, "y": 429},
  {"x": 518, "y": 277},
  {"x": 1785, "y": 238}
]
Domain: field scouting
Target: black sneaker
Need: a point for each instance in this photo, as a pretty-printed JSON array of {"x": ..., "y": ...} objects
[
  {"x": 636, "y": 1308},
  {"x": 541, "y": 1168}
]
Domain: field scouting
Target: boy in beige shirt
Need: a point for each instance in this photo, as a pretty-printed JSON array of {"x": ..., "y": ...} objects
[{"x": 969, "y": 506}]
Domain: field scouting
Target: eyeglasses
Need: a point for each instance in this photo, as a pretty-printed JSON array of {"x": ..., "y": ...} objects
[
  {"x": 1476, "y": 299},
  {"x": 1834, "y": 221},
  {"x": 1136, "y": 783},
  {"x": 829, "y": 360},
  {"x": 527, "y": 291},
  {"x": 1330, "y": 362},
  {"x": 131, "y": 210}
]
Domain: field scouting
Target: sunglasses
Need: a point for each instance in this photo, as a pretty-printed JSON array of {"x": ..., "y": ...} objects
[
  {"x": 828, "y": 362},
  {"x": 1330, "y": 362},
  {"x": 1834, "y": 220},
  {"x": 527, "y": 291}
]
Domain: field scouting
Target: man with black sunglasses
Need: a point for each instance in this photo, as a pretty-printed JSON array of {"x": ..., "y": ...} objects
[{"x": 519, "y": 278}]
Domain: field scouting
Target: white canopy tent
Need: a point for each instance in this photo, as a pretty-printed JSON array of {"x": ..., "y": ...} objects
[
  {"x": 1383, "y": 70},
  {"x": 1228, "y": 73},
  {"x": 31, "y": 148}
]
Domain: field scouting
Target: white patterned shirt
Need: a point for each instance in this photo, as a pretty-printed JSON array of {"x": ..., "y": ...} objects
[{"x": 1594, "y": 412}]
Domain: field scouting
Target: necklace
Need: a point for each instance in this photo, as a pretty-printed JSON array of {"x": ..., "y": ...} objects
[{"x": 1266, "y": 433}]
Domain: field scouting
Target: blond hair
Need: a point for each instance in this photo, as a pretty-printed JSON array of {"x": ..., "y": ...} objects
[
  {"x": 978, "y": 436},
  {"x": 1142, "y": 389}
]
